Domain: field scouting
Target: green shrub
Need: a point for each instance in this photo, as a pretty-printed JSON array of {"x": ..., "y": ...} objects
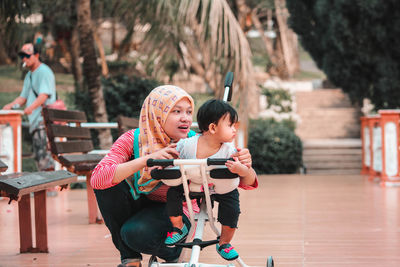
[
  {"x": 274, "y": 148},
  {"x": 118, "y": 67},
  {"x": 124, "y": 95}
]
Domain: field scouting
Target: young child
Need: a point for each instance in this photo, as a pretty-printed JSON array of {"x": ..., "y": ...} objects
[{"x": 216, "y": 120}]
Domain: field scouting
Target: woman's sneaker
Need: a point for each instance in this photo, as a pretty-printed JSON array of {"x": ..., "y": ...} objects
[
  {"x": 227, "y": 252},
  {"x": 180, "y": 234}
]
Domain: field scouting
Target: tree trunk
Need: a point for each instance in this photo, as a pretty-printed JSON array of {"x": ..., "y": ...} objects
[
  {"x": 243, "y": 11},
  {"x": 104, "y": 67},
  {"x": 288, "y": 38},
  {"x": 113, "y": 35},
  {"x": 76, "y": 66},
  {"x": 91, "y": 70},
  {"x": 267, "y": 42},
  {"x": 249, "y": 94},
  {"x": 114, "y": 26},
  {"x": 4, "y": 59},
  {"x": 125, "y": 44}
]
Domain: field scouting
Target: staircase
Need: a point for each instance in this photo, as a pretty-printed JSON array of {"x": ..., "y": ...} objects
[
  {"x": 332, "y": 156},
  {"x": 330, "y": 131}
]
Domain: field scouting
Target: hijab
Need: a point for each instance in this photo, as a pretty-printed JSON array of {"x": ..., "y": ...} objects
[{"x": 153, "y": 115}]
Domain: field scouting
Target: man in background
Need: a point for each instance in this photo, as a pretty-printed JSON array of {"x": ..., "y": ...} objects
[{"x": 39, "y": 88}]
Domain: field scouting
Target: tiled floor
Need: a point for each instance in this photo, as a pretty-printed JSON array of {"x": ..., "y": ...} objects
[{"x": 313, "y": 221}]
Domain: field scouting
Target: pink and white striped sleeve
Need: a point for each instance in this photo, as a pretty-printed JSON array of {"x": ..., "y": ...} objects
[
  {"x": 120, "y": 152},
  {"x": 249, "y": 187}
]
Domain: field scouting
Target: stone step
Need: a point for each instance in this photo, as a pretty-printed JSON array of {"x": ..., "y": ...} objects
[
  {"x": 332, "y": 165},
  {"x": 332, "y": 128},
  {"x": 323, "y": 98},
  {"x": 328, "y": 123},
  {"x": 322, "y": 158},
  {"x": 326, "y": 112},
  {"x": 310, "y": 133},
  {"x": 332, "y": 143},
  {"x": 333, "y": 151},
  {"x": 334, "y": 172},
  {"x": 325, "y": 156}
]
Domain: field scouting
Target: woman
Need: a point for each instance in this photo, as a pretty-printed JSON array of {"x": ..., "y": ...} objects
[{"x": 138, "y": 225}]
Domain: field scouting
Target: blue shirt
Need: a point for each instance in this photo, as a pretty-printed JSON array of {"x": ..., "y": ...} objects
[{"x": 41, "y": 80}]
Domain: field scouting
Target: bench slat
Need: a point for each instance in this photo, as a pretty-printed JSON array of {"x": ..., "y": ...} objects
[
  {"x": 83, "y": 158},
  {"x": 126, "y": 123},
  {"x": 52, "y": 115},
  {"x": 72, "y": 146},
  {"x": 19, "y": 184},
  {"x": 3, "y": 166},
  {"x": 69, "y": 132},
  {"x": 84, "y": 167}
]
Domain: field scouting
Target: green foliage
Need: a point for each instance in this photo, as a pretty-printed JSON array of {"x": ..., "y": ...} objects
[
  {"x": 171, "y": 67},
  {"x": 355, "y": 43},
  {"x": 118, "y": 65},
  {"x": 124, "y": 95},
  {"x": 280, "y": 107},
  {"x": 274, "y": 147},
  {"x": 279, "y": 97}
]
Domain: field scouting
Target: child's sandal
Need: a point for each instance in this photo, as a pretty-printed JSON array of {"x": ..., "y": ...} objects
[
  {"x": 180, "y": 234},
  {"x": 227, "y": 252}
]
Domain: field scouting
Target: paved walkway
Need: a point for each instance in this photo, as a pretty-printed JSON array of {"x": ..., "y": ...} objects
[{"x": 312, "y": 221}]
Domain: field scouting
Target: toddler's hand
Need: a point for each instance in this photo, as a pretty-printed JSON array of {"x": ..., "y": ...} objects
[
  {"x": 244, "y": 156},
  {"x": 237, "y": 167}
]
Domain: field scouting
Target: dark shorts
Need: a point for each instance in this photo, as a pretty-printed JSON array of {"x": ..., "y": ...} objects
[
  {"x": 42, "y": 156},
  {"x": 228, "y": 210}
]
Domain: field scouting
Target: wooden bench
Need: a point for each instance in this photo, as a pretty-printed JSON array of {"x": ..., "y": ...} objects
[
  {"x": 19, "y": 186},
  {"x": 3, "y": 166},
  {"x": 126, "y": 123},
  {"x": 69, "y": 145}
]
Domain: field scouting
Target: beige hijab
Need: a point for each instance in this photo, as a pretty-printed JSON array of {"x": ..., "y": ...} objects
[{"x": 153, "y": 115}]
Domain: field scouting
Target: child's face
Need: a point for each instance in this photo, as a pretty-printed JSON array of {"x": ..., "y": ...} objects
[{"x": 225, "y": 130}]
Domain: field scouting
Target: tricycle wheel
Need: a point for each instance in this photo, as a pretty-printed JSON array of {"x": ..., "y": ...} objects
[{"x": 153, "y": 259}]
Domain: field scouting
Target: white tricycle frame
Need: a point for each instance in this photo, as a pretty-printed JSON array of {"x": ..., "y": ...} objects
[{"x": 207, "y": 167}]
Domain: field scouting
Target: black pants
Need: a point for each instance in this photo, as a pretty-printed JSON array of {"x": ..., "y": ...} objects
[
  {"x": 228, "y": 210},
  {"x": 136, "y": 226}
]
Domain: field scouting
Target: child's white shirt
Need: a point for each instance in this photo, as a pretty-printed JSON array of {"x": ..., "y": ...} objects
[{"x": 187, "y": 149}]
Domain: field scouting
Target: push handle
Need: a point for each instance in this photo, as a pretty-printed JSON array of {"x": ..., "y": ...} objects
[
  {"x": 217, "y": 161},
  {"x": 229, "y": 79},
  {"x": 160, "y": 162},
  {"x": 228, "y": 86}
]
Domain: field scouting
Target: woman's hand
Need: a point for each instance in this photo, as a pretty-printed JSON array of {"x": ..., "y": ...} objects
[
  {"x": 168, "y": 152},
  {"x": 244, "y": 156}
]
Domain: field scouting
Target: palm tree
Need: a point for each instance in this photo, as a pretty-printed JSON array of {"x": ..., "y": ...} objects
[
  {"x": 91, "y": 69},
  {"x": 9, "y": 33},
  {"x": 206, "y": 36}
]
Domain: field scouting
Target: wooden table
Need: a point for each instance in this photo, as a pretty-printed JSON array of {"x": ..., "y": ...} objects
[{"x": 19, "y": 186}]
